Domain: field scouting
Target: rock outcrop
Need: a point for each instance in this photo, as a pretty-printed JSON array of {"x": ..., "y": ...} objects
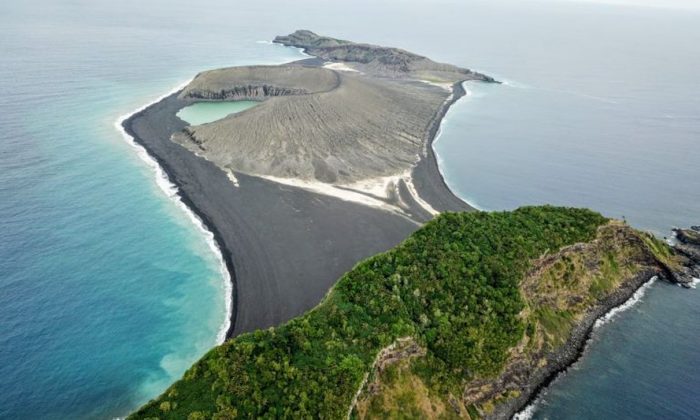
[
  {"x": 378, "y": 60},
  {"x": 688, "y": 236},
  {"x": 688, "y": 246}
]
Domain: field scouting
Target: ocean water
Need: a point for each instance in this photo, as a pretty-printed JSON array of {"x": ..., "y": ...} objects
[
  {"x": 206, "y": 112},
  {"x": 108, "y": 289}
]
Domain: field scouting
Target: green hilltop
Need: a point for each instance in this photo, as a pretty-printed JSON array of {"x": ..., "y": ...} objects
[{"x": 460, "y": 290}]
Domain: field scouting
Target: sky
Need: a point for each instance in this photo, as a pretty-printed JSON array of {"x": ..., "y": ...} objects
[{"x": 670, "y": 4}]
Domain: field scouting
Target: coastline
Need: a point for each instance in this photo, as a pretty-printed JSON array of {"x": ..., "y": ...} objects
[
  {"x": 263, "y": 253},
  {"x": 426, "y": 175},
  {"x": 625, "y": 297},
  {"x": 464, "y": 93},
  {"x": 173, "y": 192}
]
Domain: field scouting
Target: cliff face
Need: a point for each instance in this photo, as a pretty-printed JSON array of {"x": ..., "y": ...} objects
[
  {"x": 243, "y": 92},
  {"x": 259, "y": 82},
  {"x": 466, "y": 318}
]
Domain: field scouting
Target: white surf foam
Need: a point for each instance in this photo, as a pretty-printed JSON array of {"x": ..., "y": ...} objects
[
  {"x": 172, "y": 192},
  {"x": 526, "y": 413}
]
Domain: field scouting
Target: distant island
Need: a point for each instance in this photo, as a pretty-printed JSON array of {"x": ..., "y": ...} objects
[{"x": 451, "y": 312}]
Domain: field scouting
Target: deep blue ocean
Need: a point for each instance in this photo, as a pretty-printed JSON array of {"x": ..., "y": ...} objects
[{"x": 109, "y": 290}]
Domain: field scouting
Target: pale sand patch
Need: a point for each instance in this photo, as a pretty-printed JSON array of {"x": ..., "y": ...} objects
[
  {"x": 414, "y": 193},
  {"x": 373, "y": 192},
  {"x": 339, "y": 67},
  {"x": 381, "y": 186},
  {"x": 445, "y": 85}
]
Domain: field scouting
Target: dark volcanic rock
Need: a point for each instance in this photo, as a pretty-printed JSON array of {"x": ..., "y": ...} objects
[{"x": 688, "y": 236}]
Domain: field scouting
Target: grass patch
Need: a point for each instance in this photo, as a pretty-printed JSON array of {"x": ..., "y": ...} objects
[{"x": 556, "y": 324}]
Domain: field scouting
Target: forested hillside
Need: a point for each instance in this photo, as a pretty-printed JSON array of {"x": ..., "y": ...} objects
[{"x": 453, "y": 288}]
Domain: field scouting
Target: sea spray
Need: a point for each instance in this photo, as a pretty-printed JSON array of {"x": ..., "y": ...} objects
[
  {"x": 528, "y": 412},
  {"x": 172, "y": 192}
]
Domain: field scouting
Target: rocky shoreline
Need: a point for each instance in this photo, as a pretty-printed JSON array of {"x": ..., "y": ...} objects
[{"x": 575, "y": 348}]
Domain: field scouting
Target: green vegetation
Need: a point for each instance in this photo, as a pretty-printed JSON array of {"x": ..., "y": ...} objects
[
  {"x": 661, "y": 251},
  {"x": 558, "y": 290},
  {"x": 453, "y": 286}
]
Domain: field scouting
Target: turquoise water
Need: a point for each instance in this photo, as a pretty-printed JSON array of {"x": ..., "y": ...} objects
[
  {"x": 206, "y": 112},
  {"x": 108, "y": 290}
]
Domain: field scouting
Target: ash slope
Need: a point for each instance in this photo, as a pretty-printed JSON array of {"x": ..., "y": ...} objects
[
  {"x": 465, "y": 319},
  {"x": 320, "y": 124}
]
